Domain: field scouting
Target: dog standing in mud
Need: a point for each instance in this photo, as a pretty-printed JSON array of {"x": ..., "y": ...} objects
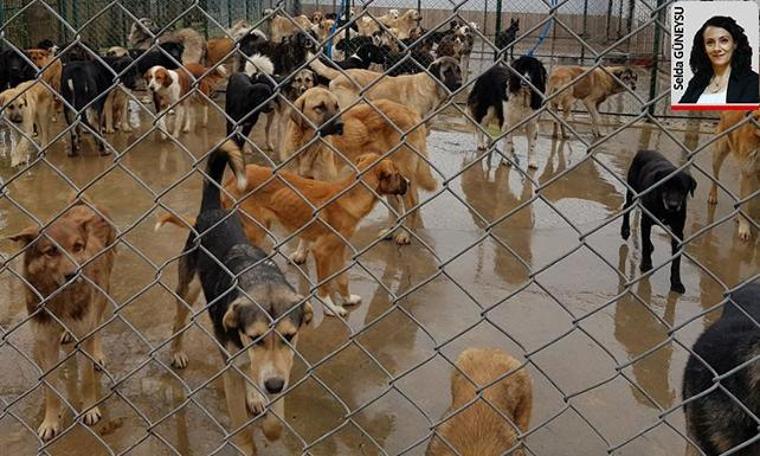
[
  {"x": 69, "y": 265},
  {"x": 244, "y": 303},
  {"x": 478, "y": 429}
]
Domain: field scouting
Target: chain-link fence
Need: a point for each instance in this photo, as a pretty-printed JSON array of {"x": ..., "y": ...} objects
[{"x": 519, "y": 251}]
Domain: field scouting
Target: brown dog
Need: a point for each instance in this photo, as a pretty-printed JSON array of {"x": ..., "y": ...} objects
[
  {"x": 281, "y": 26},
  {"x": 592, "y": 89},
  {"x": 267, "y": 200},
  {"x": 27, "y": 105},
  {"x": 51, "y": 75},
  {"x": 479, "y": 430},
  {"x": 743, "y": 143},
  {"x": 365, "y": 129},
  {"x": 72, "y": 258}
]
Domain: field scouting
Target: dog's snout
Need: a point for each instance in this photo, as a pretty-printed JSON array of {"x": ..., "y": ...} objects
[
  {"x": 339, "y": 127},
  {"x": 274, "y": 385}
]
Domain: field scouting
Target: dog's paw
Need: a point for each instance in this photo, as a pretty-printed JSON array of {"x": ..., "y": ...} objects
[
  {"x": 385, "y": 234},
  {"x": 126, "y": 129},
  {"x": 401, "y": 238},
  {"x": 109, "y": 131},
  {"x": 744, "y": 230},
  {"x": 49, "y": 429},
  {"x": 353, "y": 300},
  {"x": 179, "y": 360},
  {"x": 91, "y": 416},
  {"x": 505, "y": 162},
  {"x": 271, "y": 427},
  {"x": 255, "y": 402},
  {"x": 678, "y": 288},
  {"x": 625, "y": 232},
  {"x": 333, "y": 309},
  {"x": 66, "y": 338},
  {"x": 298, "y": 257},
  {"x": 482, "y": 146},
  {"x": 533, "y": 164},
  {"x": 269, "y": 146},
  {"x": 712, "y": 198}
]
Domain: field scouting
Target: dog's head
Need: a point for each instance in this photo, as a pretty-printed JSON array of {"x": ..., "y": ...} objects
[
  {"x": 387, "y": 176},
  {"x": 323, "y": 28},
  {"x": 411, "y": 16},
  {"x": 302, "y": 81},
  {"x": 57, "y": 253},
  {"x": 318, "y": 107},
  {"x": 448, "y": 71},
  {"x": 270, "y": 345},
  {"x": 317, "y": 16},
  {"x": 371, "y": 53},
  {"x": 141, "y": 31},
  {"x": 40, "y": 57},
  {"x": 627, "y": 76},
  {"x": 527, "y": 71},
  {"x": 157, "y": 78},
  {"x": 117, "y": 51},
  {"x": 674, "y": 191},
  {"x": 13, "y": 107}
]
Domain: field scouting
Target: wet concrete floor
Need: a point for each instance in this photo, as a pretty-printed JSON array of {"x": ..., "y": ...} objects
[{"x": 539, "y": 283}]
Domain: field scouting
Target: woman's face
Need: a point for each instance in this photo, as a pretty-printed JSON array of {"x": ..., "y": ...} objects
[{"x": 719, "y": 45}]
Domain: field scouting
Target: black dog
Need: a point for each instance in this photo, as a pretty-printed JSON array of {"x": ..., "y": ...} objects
[
  {"x": 251, "y": 304},
  {"x": 507, "y": 37},
  {"x": 412, "y": 62},
  {"x": 15, "y": 68},
  {"x": 362, "y": 58},
  {"x": 667, "y": 203},
  {"x": 169, "y": 56},
  {"x": 716, "y": 422},
  {"x": 286, "y": 56},
  {"x": 85, "y": 85},
  {"x": 246, "y": 99}
]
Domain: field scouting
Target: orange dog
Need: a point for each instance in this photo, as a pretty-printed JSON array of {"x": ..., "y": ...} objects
[
  {"x": 479, "y": 430},
  {"x": 51, "y": 75},
  {"x": 72, "y": 258},
  {"x": 743, "y": 143}
]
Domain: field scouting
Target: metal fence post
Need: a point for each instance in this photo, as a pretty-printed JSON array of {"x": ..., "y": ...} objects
[{"x": 655, "y": 63}]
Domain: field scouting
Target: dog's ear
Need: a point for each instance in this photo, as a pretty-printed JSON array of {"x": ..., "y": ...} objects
[
  {"x": 692, "y": 185},
  {"x": 26, "y": 235},
  {"x": 296, "y": 115},
  {"x": 230, "y": 319}
]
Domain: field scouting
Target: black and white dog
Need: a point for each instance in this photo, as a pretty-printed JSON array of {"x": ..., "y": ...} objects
[
  {"x": 667, "y": 202},
  {"x": 85, "y": 86},
  {"x": 509, "y": 96},
  {"x": 285, "y": 56},
  {"x": 716, "y": 421},
  {"x": 246, "y": 98}
]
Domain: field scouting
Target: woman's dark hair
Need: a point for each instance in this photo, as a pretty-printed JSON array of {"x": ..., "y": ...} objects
[{"x": 741, "y": 60}]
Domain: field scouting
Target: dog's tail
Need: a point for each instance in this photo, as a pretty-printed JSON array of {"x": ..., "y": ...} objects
[
  {"x": 230, "y": 153},
  {"x": 174, "y": 220},
  {"x": 322, "y": 69}
]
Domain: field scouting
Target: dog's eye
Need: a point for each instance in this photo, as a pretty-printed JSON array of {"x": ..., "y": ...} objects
[
  {"x": 288, "y": 337},
  {"x": 318, "y": 108},
  {"x": 78, "y": 247},
  {"x": 52, "y": 252}
]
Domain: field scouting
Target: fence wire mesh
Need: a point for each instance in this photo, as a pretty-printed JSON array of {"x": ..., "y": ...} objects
[{"x": 502, "y": 254}]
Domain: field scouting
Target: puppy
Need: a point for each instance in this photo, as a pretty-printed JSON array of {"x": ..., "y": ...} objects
[
  {"x": 478, "y": 429},
  {"x": 666, "y": 202},
  {"x": 66, "y": 265},
  {"x": 361, "y": 129},
  {"x": 509, "y": 96},
  {"x": 84, "y": 86},
  {"x": 592, "y": 89},
  {"x": 28, "y": 106},
  {"x": 253, "y": 307},
  {"x": 715, "y": 421},
  {"x": 172, "y": 86},
  {"x": 743, "y": 143}
]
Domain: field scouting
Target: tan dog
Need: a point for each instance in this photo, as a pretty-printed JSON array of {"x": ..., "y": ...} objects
[
  {"x": 420, "y": 92},
  {"x": 281, "y": 26},
  {"x": 405, "y": 24},
  {"x": 479, "y": 430},
  {"x": 51, "y": 75},
  {"x": 592, "y": 89},
  {"x": 73, "y": 258},
  {"x": 116, "y": 110},
  {"x": 365, "y": 130},
  {"x": 302, "y": 81},
  {"x": 744, "y": 144},
  {"x": 323, "y": 28},
  {"x": 27, "y": 105}
]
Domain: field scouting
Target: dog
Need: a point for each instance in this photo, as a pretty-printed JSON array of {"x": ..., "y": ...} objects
[
  {"x": 15, "y": 68},
  {"x": 466, "y": 35},
  {"x": 247, "y": 292},
  {"x": 363, "y": 129},
  {"x": 414, "y": 61},
  {"x": 451, "y": 46},
  {"x": 66, "y": 265},
  {"x": 478, "y": 428},
  {"x": 420, "y": 92},
  {"x": 362, "y": 58},
  {"x": 143, "y": 32},
  {"x": 116, "y": 111},
  {"x": 286, "y": 56},
  {"x": 246, "y": 98},
  {"x": 282, "y": 27},
  {"x": 507, "y": 96},
  {"x": 743, "y": 143},
  {"x": 52, "y": 68},
  {"x": 28, "y": 106},
  {"x": 406, "y": 23},
  {"x": 84, "y": 86},
  {"x": 292, "y": 88},
  {"x": 666, "y": 202},
  {"x": 172, "y": 86},
  {"x": 716, "y": 422},
  {"x": 592, "y": 89},
  {"x": 322, "y": 29},
  {"x": 507, "y": 37}
]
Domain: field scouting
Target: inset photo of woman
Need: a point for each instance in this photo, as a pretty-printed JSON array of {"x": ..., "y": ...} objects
[{"x": 715, "y": 60}]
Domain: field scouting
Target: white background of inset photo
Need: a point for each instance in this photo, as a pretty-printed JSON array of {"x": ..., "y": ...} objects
[{"x": 696, "y": 14}]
